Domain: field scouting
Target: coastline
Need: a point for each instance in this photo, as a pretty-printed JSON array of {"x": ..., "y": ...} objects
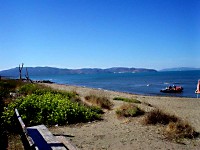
[
  {"x": 185, "y": 108},
  {"x": 148, "y": 84},
  {"x": 130, "y": 133}
]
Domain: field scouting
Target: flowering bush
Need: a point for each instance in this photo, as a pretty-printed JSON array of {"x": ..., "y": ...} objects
[{"x": 49, "y": 108}]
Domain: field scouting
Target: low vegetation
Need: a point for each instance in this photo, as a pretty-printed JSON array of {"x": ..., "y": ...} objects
[
  {"x": 178, "y": 130},
  {"x": 129, "y": 110},
  {"x": 96, "y": 109},
  {"x": 6, "y": 86},
  {"x": 159, "y": 117},
  {"x": 102, "y": 102},
  {"x": 50, "y": 109},
  {"x": 175, "y": 129},
  {"x": 127, "y": 100},
  {"x": 41, "y": 105}
]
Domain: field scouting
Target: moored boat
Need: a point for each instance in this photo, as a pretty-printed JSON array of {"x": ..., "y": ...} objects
[{"x": 172, "y": 89}]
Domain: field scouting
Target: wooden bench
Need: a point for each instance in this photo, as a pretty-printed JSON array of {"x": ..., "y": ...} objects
[{"x": 40, "y": 138}]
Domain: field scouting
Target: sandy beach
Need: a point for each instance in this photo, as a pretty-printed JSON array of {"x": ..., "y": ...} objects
[{"x": 130, "y": 133}]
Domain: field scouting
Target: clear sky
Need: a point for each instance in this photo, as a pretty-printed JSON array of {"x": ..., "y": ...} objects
[{"x": 100, "y": 33}]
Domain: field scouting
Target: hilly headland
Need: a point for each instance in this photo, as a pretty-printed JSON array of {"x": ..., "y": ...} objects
[{"x": 34, "y": 71}]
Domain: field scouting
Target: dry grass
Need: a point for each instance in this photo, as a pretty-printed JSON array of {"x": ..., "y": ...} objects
[
  {"x": 180, "y": 129},
  {"x": 147, "y": 104},
  {"x": 175, "y": 128},
  {"x": 14, "y": 142},
  {"x": 129, "y": 110},
  {"x": 159, "y": 117},
  {"x": 102, "y": 102}
]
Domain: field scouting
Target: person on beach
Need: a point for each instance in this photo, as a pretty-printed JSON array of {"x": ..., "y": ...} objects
[{"x": 198, "y": 88}]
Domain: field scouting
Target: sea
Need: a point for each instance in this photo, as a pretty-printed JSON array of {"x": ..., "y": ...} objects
[{"x": 145, "y": 83}]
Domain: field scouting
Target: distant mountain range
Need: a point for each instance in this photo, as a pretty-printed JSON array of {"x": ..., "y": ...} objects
[
  {"x": 180, "y": 69},
  {"x": 14, "y": 72}
]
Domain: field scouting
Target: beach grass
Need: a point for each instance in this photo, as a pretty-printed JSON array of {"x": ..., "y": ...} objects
[
  {"x": 180, "y": 129},
  {"x": 130, "y": 100},
  {"x": 159, "y": 117},
  {"x": 175, "y": 128},
  {"x": 129, "y": 110},
  {"x": 102, "y": 102}
]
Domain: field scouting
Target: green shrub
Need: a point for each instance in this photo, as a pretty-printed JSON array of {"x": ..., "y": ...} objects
[
  {"x": 127, "y": 100},
  {"x": 11, "y": 83},
  {"x": 39, "y": 90},
  {"x": 44, "y": 90},
  {"x": 49, "y": 108},
  {"x": 7, "y": 86},
  {"x": 129, "y": 110},
  {"x": 28, "y": 88},
  {"x": 96, "y": 109}
]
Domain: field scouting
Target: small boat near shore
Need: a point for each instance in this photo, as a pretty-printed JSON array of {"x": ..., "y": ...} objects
[{"x": 172, "y": 89}]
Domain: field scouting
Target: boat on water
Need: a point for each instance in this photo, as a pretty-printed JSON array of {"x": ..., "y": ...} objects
[{"x": 172, "y": 89}]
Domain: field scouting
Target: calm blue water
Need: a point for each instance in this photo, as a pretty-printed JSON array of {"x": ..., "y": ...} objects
[{"x": 136, "y": 83}]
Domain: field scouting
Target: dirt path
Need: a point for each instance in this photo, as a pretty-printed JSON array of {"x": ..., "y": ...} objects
[{"x": 113, "y": 133}]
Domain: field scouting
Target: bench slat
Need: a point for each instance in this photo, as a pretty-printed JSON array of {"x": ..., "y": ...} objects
[
  {"x": 66, "y": 142},
  {"x": 44, "y": 139},
  {"x": 40, "y": 138},
  {"x": 27, "y": 140}
]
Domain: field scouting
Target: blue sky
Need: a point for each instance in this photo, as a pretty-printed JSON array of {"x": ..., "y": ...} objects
[{"x": 100, "y": 33}]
